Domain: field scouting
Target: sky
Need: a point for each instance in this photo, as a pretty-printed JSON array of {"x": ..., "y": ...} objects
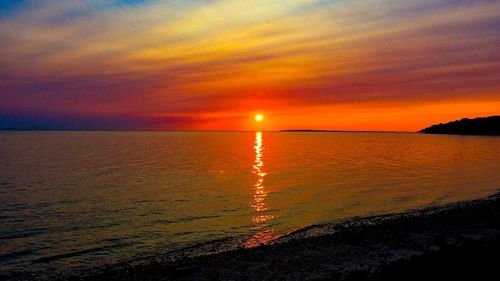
[{"x": 213, "y": 64}]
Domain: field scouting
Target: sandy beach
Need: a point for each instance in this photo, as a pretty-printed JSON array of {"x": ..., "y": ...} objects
[{"x": 460, "y": 241}]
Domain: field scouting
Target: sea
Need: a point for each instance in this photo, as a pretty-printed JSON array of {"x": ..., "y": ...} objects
[{"x": 79, "y": 200}]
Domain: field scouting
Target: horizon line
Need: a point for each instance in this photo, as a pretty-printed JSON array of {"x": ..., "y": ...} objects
[{"x": 187, "y": 130}]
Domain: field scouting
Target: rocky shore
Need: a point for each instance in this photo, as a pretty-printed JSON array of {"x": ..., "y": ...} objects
[{"x": 456, "y": 242}]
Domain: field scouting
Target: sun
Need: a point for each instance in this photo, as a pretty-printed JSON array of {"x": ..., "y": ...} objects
[{"x": 259, "y": 117}]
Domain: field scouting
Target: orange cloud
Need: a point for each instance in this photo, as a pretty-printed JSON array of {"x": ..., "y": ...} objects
[{"x": 374, "y": 63}]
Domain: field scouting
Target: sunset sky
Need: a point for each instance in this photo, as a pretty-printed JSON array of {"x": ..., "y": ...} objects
[{"x": 214, "y": 64}]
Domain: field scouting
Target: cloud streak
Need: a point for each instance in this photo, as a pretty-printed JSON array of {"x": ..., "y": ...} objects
[{"x": 222, "y": 60}]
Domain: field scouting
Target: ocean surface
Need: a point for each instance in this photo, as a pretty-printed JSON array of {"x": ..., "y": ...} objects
[{"x": 73, "y": 201}]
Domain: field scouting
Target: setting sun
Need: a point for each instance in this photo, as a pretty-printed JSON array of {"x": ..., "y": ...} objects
[{"x": 259, "y": 117}]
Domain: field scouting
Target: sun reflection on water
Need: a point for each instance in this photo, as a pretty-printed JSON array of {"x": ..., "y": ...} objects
[
  {"x": 260, "y": 194},
  {"x": 261, "y": 216}
]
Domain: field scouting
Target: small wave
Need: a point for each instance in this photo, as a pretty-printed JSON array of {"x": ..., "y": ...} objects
[
  {"x": 74, "y": 254},
  {"x": 186, "y": 219},
  {"x": 24, "y": 234},
  {"x": 328, "y": 228},
  {"x": 14, "y": 255},
  {"x": 206, "y": 247}
]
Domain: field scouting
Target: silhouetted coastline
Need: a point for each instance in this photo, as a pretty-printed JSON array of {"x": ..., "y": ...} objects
[{"x": 478, "y": 126}]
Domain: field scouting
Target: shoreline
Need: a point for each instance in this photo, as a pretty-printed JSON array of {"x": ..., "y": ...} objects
[
  {"x": 374, "y": 247},
  {"x": 384, "y": 247}
]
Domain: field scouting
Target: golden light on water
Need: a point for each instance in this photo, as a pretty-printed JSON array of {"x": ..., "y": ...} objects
[
  {"x": 258, "y": 204},
  {"x": 264, "y": 234}
]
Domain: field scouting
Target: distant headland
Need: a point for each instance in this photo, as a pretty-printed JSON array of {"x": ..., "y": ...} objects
[{"x": 479, "y": 126}]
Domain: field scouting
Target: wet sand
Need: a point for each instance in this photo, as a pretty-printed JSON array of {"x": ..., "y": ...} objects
[{"x": 455, "y": 242}]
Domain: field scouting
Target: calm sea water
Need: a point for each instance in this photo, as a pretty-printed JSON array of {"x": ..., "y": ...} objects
[{"x": 73, "y": 200}]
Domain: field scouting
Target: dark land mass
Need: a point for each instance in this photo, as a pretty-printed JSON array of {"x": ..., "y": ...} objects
[
  {"x": 478, "y": 126},
  {"x": 455, "y": 242}
]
